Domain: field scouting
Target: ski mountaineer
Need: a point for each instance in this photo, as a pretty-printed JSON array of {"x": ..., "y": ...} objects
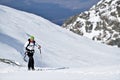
[{"x": 29, "y": 47}]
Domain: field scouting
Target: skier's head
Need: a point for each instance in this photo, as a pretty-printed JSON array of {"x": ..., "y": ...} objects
[{"x": 32, "y": 38}]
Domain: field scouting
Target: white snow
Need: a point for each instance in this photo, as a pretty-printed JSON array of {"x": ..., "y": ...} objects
[
  {"x": 87, "y": 60},
  {"x": 96, "y": 73}
]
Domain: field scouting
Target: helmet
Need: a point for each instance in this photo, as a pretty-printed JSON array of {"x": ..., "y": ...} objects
[{"x": 32, "y": 37}]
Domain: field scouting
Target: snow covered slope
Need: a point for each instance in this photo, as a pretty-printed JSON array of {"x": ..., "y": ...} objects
[
  {"x": 100, "y": 23},
  {"x": 59, "y": 46}
]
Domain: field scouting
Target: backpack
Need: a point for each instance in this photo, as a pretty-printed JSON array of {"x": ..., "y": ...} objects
[{"x": 29, "y": 44}]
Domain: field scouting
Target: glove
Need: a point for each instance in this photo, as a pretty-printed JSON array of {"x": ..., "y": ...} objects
[{"x": 39, "y": 46}]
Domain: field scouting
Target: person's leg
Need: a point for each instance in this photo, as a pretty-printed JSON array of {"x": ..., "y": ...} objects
[
  {"x": 29, "y": 64},
  {"x": 32, "y": 63}
]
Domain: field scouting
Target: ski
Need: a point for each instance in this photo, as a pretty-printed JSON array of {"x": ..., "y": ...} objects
[{"x": 46, "y": 69}]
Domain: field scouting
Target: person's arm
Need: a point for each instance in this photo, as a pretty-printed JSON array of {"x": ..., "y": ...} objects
[
  {"x": 25, "y": 53},
  {"x": 37, "y": 45},
  {"x": 26, "y": 45}
]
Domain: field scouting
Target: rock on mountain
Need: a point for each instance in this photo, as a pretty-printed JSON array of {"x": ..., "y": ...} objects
[{"x": 100, "y": 23}]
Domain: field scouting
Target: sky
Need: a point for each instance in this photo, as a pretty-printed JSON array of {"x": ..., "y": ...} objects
[{"x": 56, "y": 11}]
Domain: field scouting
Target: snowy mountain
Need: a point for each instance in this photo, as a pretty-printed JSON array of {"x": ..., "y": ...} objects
[
  {"x": 86, "y": 59},
  {"x": 100, "y": 23},
  {"x": 59, "y": 46}
]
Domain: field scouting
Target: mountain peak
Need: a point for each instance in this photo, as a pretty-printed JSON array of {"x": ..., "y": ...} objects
[{"x": 100, "y": 23}]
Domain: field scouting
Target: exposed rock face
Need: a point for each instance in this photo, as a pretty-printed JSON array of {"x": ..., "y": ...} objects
[{"x": 101, "y": 22}]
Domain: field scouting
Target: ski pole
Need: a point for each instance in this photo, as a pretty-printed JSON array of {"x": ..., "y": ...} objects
[
  {"x": 41, "y": 55},
  {"x": 40, "y": 50}
]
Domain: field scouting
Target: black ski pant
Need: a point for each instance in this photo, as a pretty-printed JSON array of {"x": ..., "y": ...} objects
[{"x": 31, "y": 60}]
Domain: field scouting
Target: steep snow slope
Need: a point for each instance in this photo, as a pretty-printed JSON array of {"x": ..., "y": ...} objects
[{"x": 59, "y": 46}]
